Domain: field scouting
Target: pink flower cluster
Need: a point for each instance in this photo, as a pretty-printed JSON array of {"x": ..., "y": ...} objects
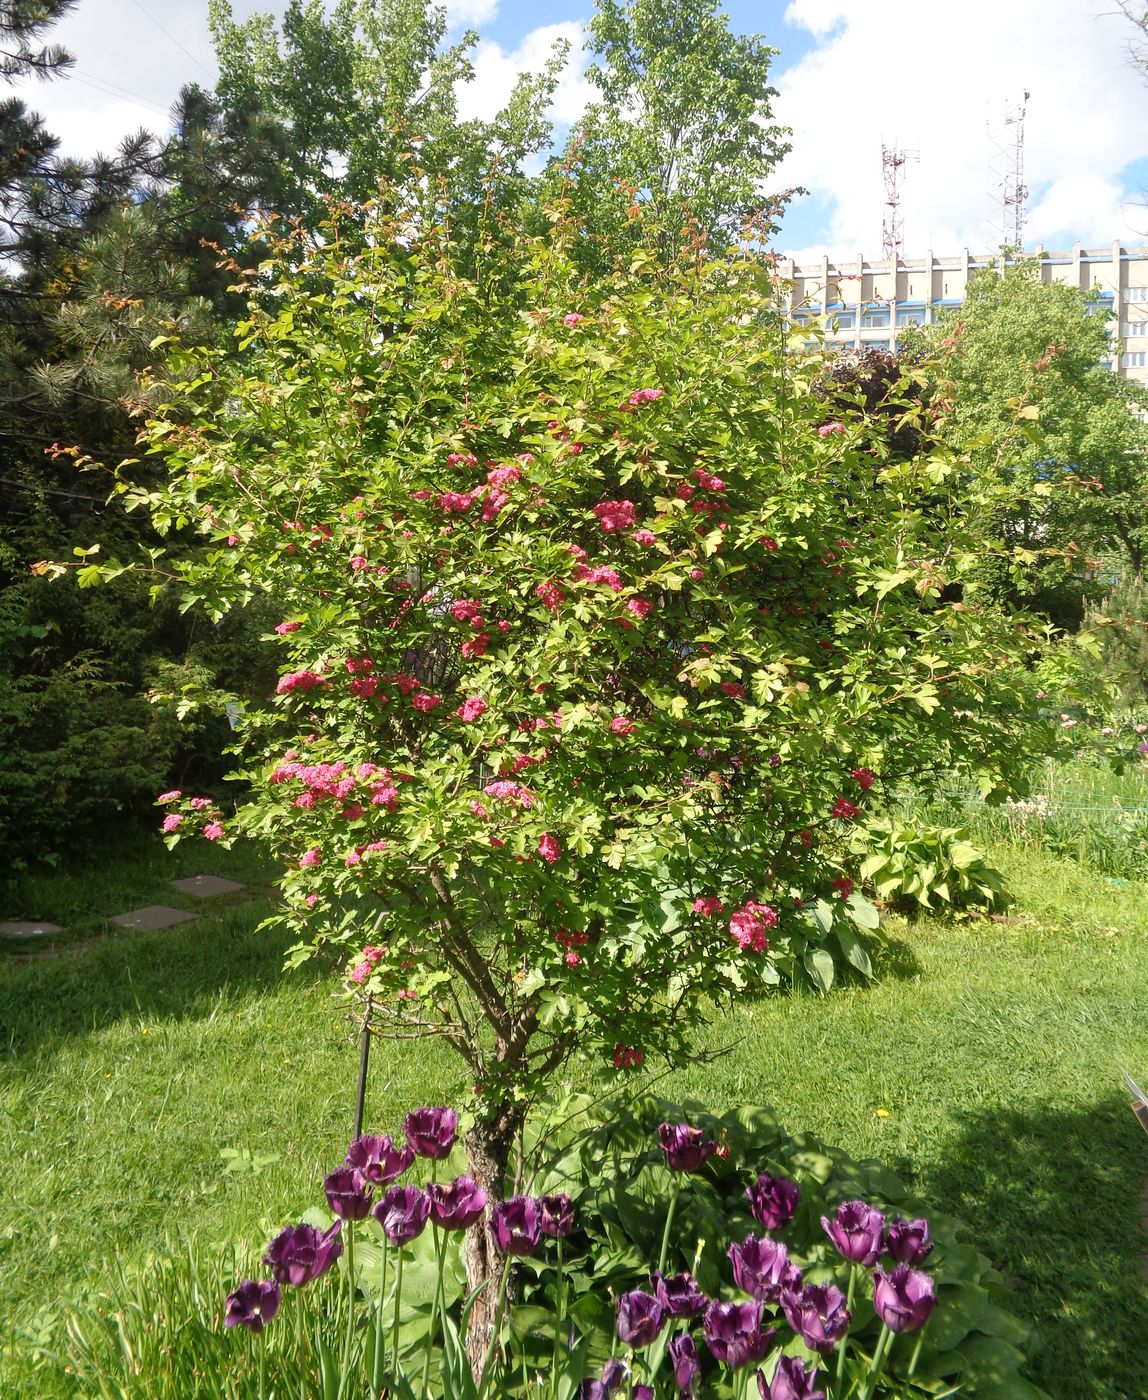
[
  {"x": 621, "y": 724},
  {"x": 426, "y": 702},
  {"x": 510, "y": 792},
  {"x": 863, "y": 777},
  {"x": 749, "y": 924},
  {"x": 600, "y": 574},
  {"x": 551, "y": 595},
  {"x": 298, "y": 680},
  {"x": 625, "y": 1057},
  {"x": 844, "y": 809},
  {"x": 830, "y": 429},
  {"x": 707, "y": 904},
  {"x": 286, "y": 628},
  {"x": 707, "y": 482},
  {"x": 549, "y": 848},
  {"x": 472, "y": 708},
  {"x": 615, "y": 515},
  {"x": 640, "y": 397},
  {"x": 362, "y": 970}
]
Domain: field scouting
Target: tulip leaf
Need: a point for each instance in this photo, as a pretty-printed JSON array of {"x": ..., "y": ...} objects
[{"x": 959, "y": 1311}]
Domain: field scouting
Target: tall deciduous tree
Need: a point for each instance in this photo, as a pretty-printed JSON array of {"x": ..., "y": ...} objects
[
  {"x": 683, "y": 125},
  {"x": 1025, "y": 365}
]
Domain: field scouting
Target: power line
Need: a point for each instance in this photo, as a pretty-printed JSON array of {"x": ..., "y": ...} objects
[
  {"x": 112, "y": 90},
  {"x": 173, "y": 39}
]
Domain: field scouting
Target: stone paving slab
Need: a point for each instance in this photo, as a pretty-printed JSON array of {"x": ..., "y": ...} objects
[
  {"x": 205, "y": 886},
  {"x": 152, "y": 916},
  {"x": 22, "y": 928}
]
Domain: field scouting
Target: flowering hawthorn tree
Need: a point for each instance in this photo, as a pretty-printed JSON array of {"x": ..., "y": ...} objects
[{"x": 595, "y": 639}]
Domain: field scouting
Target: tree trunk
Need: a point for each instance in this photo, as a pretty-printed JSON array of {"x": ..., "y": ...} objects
[{"x": 488, "y": 1146}]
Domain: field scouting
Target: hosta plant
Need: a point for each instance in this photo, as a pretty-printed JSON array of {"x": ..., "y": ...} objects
[{"x": 915, "y": 865}]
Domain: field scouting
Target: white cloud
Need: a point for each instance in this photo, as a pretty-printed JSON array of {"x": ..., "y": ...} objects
[
  {"x": 929, "y": 78},
  {"x": 462, "y": 13},
  {"x": 496, "y": 71}
]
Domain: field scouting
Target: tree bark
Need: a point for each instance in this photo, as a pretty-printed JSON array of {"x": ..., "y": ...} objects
[{"x": 488, "y": 1146}]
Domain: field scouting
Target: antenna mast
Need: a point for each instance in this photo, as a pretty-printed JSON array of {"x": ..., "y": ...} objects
[
  {"x": 892, "y": 225},
  {"x": 1008, "y": 193}
]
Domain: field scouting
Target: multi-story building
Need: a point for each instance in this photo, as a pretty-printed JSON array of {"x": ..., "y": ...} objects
[{"x": 861, "y": 303}]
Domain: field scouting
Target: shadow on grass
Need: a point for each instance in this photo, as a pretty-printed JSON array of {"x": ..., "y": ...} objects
[
  {"x": 175, "y": 973},
  {"x": 1054, "y": 1200}
]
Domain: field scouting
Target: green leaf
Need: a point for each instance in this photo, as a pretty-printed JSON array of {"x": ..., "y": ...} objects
[{"x": 819, "y": 964}]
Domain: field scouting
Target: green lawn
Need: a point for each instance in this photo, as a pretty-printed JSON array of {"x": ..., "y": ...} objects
[{"x": 982, "y": 1066}]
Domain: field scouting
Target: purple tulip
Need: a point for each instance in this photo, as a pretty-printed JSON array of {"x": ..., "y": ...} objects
[
  {"x": 773, "y": 1200},
  {"x": 640, "y": 1318},
  {"x": 252, "y": 1305},
  {"x": 684, "y": 1147},
  {"x": 402, "y": 1213},
  {"x": 791, "y": 1381},
  {"x": 431, "y": 1132},
  {"x": 903, "y": 1299},
  {"x": 516, "y": 1224},
  {"x": 347, "y": 1193},
  {"x": 300, "y": 1253},
  {"x": 613, "y": 1374},
  {"x": 856, "y": 1231},
  {"x": 733, "y": 1333},
  {"x": 378, "y": 1158},
  {"x": 818, "y": 1313},
  {"x": 907, "y": 1241},
  {"x": 556, "y": 1216},
  {"x": 679, "y": 1295},
  {"x": 457, "y": 1204},
  {"x": 643, "y": 1392},
  {"x": 761, "y": 1268},
  {"x": 684, "y": 1359}
]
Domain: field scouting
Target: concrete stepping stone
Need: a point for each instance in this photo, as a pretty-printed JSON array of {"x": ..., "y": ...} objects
[
  {"x": 152, "y": 916},
  {"x": 22, "y": 928},
  {"x": 205, "y": 886}
]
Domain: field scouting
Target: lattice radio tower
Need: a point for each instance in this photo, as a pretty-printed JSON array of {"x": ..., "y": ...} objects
[
  {"x": 1008, "y": 193},
  {"x": 893, "y": 161}
]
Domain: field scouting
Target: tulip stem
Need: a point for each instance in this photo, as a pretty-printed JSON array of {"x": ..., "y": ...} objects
[
  {"x": 849, "y": 1309},
  {"x": 878, "y": 1362},
  {"x": 262, "y": 1346},
  {"x": 559, "y": 1310},
  {"x": 917, "y": 1351},
  {"x": 438, "y": 1306},
  {"x": 380, "y": 1329},
  {"x": 398, "y": 1304},
  {"x": 344, "y": 1373},
  {"x": 675, "y": 1191},
  {"x": 299, "y": 1305},
  {"x": 496, "y": 1329}
]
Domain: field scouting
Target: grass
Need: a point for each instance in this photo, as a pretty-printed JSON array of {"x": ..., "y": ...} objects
[{"x": 178, "y": 1084}]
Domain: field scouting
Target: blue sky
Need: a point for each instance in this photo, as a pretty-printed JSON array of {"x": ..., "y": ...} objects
[{"x": 932, "y": 76}]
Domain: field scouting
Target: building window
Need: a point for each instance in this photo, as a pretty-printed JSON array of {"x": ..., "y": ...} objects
[
  {"x": 800, "y": 319},
  {"x": 1134, "y": 360},
  {"x": 844, "y": 320},
  {"x": 874, "y": 320},
  {"x": 906, "y": 317},
  {"x": 1136, "y": 294},
  {"x": 1134, "y": 328}
]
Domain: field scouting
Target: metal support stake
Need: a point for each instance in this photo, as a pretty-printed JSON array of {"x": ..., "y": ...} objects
[{"x": 364, "y": 1056}]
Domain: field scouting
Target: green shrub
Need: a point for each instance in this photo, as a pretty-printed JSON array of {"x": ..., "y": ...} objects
[{"x": 913, "y": 865}]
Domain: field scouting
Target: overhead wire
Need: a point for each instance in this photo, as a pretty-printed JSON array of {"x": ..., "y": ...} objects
[{"x": 139, "y": 6}]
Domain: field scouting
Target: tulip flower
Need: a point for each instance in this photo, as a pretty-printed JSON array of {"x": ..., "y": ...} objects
[
  {"x": 733, "y": 1333},
  {"x": 685, "y": 1148},
  {"x": 683, "y": 1356},
  {"x": 907, "y": 1241},
  {"x": 457, "y": 1204},
  {"x": 378, "y": 1159},
  {"x": 773, "y": 1200},
  {"x": 818, "y": 1313},
  {"x": 679, "y": 1294},
  {"x": 516, "y": 1225},
  {"x": 856, "y": 1231},
  {"x": 300, "y": 1253},
  {"x": 762, "y": 1269},
  {"x": 791, "y": 1381},
  {"x": 403, "y": 1213},
  {"x": 904, "y": 1299},
  {"x": 252, "y": 1305},
  {"x": 556, "y": 1216},
  {"x": 348, "y": 1194},
  {"x": 431, "y": 1132},
  {"x": 639, "y": 1317}
]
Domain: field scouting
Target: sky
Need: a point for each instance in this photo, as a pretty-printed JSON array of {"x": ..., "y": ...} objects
[{"x": 936, "y": 79}]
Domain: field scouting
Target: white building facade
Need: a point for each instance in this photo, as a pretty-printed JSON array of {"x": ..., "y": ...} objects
[{"x": 861, "y": 303}]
